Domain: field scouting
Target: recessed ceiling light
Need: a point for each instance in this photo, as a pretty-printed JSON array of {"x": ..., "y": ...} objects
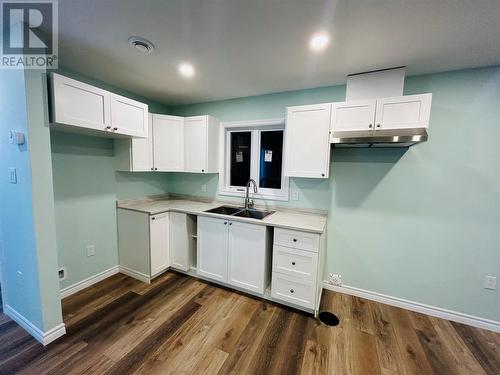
[
  {"x": 186, "y": 69},
  {"x": 319, "y": 41},
  {"x": 141, "y": 45}
]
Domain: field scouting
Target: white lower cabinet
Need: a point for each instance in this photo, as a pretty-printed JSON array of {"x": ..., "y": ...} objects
[
  {"x": 297, "y": 276},
  {"x": 182, "y": 240},
  {"x": 234, "y": 253},
  {"x": 143, "y": 244}
]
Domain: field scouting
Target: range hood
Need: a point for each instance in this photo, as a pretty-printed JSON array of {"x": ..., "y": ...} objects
[{"x": 378, "y": 138}]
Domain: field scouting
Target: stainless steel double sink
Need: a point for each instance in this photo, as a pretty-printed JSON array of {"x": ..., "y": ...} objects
[{"x": 241, "y": 212}]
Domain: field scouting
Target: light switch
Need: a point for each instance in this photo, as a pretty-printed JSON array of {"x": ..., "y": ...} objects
[{"x": 12, "y": 175}]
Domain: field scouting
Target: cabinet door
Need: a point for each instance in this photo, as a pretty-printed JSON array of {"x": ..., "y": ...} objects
[
  {"x": 142, "y": 151},
  {"x": 247, "y": 256},
  {"x": 212, "y": 248},
  {"x": 179, "y": 241},
  {"x": 168, "y": 142},
  {"x": 307, "y": 145},
  {"x": 158, "y": 233},
  {"x": 402, "y": 112},
  {"x": 195, "y": 144},
  {"x": 353, "y": 115},
  {"x": 129, "y": 117},
  {"x": 76, "y": 103}
]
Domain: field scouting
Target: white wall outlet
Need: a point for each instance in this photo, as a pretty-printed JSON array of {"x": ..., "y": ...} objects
[
  {"x": 335, "y": 279},
  {"x": 490, "y": 282},
  {"x": 204, "y": 188},
  {"x": 295, "y": 195},
  {"x": 61, "y": 273},
  {"x": 19, "y": 278},
  {"x": 90, "y": 250},
  {"x": 12, "y": 175}
]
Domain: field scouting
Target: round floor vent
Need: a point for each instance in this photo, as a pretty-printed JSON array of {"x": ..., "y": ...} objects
[
  {"x": 329, "y": 318},
  {"x": 141, "y": 45}
]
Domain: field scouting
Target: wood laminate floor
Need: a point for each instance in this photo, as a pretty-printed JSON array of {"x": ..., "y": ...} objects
[{"x": 182, "y": 325}]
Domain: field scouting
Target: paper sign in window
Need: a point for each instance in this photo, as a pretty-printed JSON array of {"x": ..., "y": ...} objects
[{"x": 268, "y": 156}]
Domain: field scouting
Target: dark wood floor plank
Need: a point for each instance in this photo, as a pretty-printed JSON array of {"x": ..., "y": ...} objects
[{"x": 181, "y": 325}]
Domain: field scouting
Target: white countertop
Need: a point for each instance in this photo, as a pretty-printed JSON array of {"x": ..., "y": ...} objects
[{"x": 283, "y": 218}]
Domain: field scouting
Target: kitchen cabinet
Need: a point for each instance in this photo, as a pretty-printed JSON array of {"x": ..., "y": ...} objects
[
  {"x": 168, "y": 143},
  {"x": 212, "y": 248},
  {"x": 128, "y": 117},
  {"x": 143, "y": 244},
  {"x": 297, "y": 273},
  {"x": 201, "y": 134},
  {"x": 307, "y": 146},
  {"x": 401, "y": 112},
  {"x": 78, "y": 104},
  {"x": 182, "y": 240},
  {"x": 353, "y": 115},
  {"x": 235, "y": 253}
]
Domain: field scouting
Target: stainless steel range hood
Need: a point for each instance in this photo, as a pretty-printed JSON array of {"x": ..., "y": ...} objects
[{"x": 379, "y": 138}]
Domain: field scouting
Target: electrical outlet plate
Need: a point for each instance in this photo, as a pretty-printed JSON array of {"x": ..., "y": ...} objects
[
  {"x": 335, "y": 279},
  {"x": 490, "y": 282},
  {"x": 90, "y": 250}
]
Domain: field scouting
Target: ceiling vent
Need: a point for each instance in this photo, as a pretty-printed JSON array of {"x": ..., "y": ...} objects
[{"x": 141, "y": 45}]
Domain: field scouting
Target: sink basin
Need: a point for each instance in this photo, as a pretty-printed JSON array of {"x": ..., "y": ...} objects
[
  {"x": 225, "y": 210},
  {"x": 240, "y": 212},
  {"x": 253, "y": 214}
]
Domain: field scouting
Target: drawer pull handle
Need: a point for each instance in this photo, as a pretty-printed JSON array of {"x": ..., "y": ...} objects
[
  {"x": 292, "y": 291},
  {"x": 153, "y": 218},
  {"x": 294, "y": 240},
  {"x": 293, "y": 263}
]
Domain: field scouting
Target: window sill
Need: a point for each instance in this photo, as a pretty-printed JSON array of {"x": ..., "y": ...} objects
[{"x": 268, "y": 197}]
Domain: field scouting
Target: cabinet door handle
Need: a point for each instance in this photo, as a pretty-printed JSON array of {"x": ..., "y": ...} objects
[
  {"x": 294, "y": 240},
  {"x": 230, "y": 223},
  {"x": 203, "y": 170},
  {"x": 370, "y": 126},
  {"x": 156, "y": 169},
  {"x": 378, "y": 125},
  {"x": 322, "y": 175},
  {"x": 292, "y": 291},
  {"x": 225, "y": 223},
  {"x": 107, "y": 128},
  {"x": 152, "y": 169},
  {"x": 293, "y": 263},
  {"x": 153, "y": 218}
]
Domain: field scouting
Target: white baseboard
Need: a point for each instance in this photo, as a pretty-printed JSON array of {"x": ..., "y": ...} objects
[
  {"x": 438, "y": 312},
  {"x": 44, "y": 338},
  {"x": 136, "y": 275},
  {"x": 72, "y": 289}
]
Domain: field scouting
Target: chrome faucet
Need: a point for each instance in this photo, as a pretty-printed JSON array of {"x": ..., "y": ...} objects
[{"x": 248, "y": 201}]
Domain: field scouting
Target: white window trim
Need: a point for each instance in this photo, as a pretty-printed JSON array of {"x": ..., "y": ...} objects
[{"x": 262, "y": 193}]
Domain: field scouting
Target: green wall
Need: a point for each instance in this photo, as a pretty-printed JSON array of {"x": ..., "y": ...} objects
[
  {"x": 86, "y": 187},
  {"x": 422, "y": 223}
]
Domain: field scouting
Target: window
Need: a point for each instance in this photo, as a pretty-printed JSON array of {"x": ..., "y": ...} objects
[{"x": 254, "y": 150}]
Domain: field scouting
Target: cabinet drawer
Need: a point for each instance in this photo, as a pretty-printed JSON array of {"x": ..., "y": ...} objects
[
  {"x": 296, "y": 239},
  {"x": 293, "y": 290},
  {"x": 295, "y": 262}
]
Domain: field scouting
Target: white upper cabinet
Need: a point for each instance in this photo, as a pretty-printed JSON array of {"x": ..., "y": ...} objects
[
  {"x": 142, "y": 150},
  {"x": 78, "y": 104},
  {"x": 402, "y": 112},
  {"x": 201, "y": 135},
  {"x": 129, "y": 117},
  {"x": 168, "y": 143},
  {"x": 353, "y": 115},
  {"x": 75, "y": 104},
  {"x": 307, "y": 147}
]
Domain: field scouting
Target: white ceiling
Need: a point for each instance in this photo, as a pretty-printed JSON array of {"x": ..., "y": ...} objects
[{"x": 250, "y": 47}]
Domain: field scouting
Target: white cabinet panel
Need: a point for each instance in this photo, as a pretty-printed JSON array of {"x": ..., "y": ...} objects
[
  {"x": 76, "y": 103},
  {"x": 295, "y": 262},
  {"x": 293, "y": 290},
  {"x": 410, "y": 111},
  {"x": 212, "y": 248},
  {"x": 142, "y": 151},
  {"x": 307, "y": 145},
  {"x": 179, "y": 241},
  {"x": 159, "y": 242},
  {"x": 129, "y": 117},
  {"x": 247, "y": 256},
  {"x": 297, "y": 239},
  {"x": 168, "y": 139},
  {"x": 195, "y": 153},
  {"x": 353, "y": 115}
]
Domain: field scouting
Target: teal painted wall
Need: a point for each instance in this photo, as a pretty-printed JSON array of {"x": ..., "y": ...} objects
[
  {"x": 86, "y": 187},
  {"x": 422, "y": 223}
]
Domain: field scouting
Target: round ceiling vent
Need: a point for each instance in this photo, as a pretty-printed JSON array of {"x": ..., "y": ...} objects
[{"x": 140, "y": 44}]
